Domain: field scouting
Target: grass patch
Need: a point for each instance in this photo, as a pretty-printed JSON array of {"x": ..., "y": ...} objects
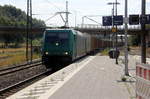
[
  {"x": 16, "y": 59},
  {"x": 105, "y": 52},
  {"x": 6, "y": 50},
  {"x": 14, "y": 56}
]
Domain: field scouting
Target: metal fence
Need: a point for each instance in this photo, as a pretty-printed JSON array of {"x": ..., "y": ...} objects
[{"x": 143, "y": 81}]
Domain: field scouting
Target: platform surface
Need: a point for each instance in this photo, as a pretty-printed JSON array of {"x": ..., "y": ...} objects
[
  {"x": 99, "y": 79},
  {"x": 94, "y": 77}
]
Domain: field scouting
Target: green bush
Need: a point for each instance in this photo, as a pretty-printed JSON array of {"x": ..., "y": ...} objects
[{"x": 105, "y": 51}]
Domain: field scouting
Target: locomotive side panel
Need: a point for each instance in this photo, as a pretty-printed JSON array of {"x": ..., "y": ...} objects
[
  {"x": 80, "y": 45},
  {"x": 88, "y": 43}
]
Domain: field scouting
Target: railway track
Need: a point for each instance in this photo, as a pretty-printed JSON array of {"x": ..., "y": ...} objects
[
  {"x": 5, "y": 92},
  {"x": 15, "y": 77},
  {"x": 16, "y": 68}
]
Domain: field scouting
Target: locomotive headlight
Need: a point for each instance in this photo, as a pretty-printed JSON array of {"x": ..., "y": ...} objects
[
  {"x": 66, "y": 53},
  {"x": 46, "y": 53},
  {"x": 56, "y": 44}
]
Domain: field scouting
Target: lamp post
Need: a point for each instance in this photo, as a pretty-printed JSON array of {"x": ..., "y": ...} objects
[
  {"x": 143, "y": 35},
  {"x": 126, "y": 38},
  {"x": 116, "y": 34},
  {"x": 114, "y": 4}
]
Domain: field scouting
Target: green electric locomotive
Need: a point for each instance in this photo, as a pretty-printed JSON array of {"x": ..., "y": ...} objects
[{"x": 63, "y": 46}]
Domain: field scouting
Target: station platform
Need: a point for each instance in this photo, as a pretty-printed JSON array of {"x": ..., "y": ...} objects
[{"x": 95, "y": 77}]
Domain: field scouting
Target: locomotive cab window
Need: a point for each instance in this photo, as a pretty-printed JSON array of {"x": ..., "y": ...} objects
[
  {"x": 52, "y": 37},
  {"x": 63, "y": 35}
]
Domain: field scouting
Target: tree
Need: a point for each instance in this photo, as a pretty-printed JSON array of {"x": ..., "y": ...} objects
[{"x": 12, "y": 16}]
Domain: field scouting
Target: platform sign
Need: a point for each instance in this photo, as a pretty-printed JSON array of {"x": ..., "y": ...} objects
[
  {"x": 143, "y": 19},
  {"x": 118, "y": 20},
  {"x": 107, "y": 20},
  {"x": 148, "y": 19},
  {"x": 147, "y": 25},
  {"x": 134, "y": 19},
  {"x": 148, "y": 22}
]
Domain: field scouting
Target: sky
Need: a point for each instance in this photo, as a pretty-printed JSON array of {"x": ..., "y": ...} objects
[{"x": 44, "y": 9}]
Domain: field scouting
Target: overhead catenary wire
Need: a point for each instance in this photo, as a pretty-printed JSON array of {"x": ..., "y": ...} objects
[
  {"x": 60, "y": 12},
  {"x": 50, "y": 17},
  {"x": 88, "y": 17},
  {"x": 58, "y": 8},
  {"x": 65, "y": 20}
]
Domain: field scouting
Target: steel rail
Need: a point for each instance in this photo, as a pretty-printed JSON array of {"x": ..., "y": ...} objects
[
  {"x": 19, "y": 65},
  {"x": 23, "y": 82},
  {"x": 13, "y": 69}
]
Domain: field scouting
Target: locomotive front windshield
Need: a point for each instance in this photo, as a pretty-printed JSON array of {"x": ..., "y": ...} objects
[{"x": 57, "y": 37}]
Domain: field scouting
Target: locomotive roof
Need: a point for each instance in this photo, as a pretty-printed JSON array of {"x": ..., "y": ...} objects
[
  {"x": 73, "y": 31},
  {"x": 59, "y": 29}
]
